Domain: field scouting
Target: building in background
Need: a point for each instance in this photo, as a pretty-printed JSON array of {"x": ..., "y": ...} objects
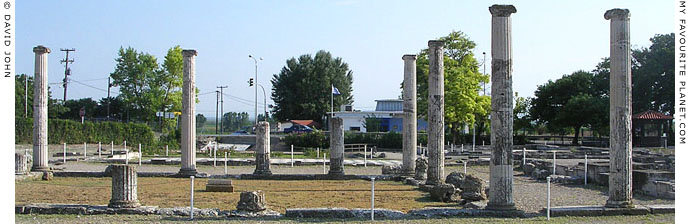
[{"x": 387, "y": 117}]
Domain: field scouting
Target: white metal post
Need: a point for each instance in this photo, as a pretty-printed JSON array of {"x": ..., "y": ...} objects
[
  {"x": 112, "y": 148},
  {"x": 225, "y": 165},
  {"x": 318, "y": 154},
  {"x": 215, "y": 151},
  {"x": 191, "y": 198},
  {"x": 84, "y": 150},
  {"x": 126, "y": 156},
  {"x": 64, "y": 152},
  {"x": 462, "y": 147},
  {"x": 292, "y": 156},
  {"x": 324, "y": 163},
  {"x": 372, "y": 198},
  {"x": 585, "y": 169},
  {"x": 99, "y": 149},
  {"x": 464, "y": 163},
  {"x": 365, "y": 155},
  {"x": 166, "y": 150},
  {"x": 140, "y": 155},
  {"x": 554, "y": 163},
  {"x": 548, "y": 198},
  {"x": 524, "y": 155}
]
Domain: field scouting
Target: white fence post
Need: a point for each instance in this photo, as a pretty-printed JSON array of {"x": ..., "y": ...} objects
[
  {"x": 140, "y": 155},
  {"x": 462, "y": 148},
  {"x": 215, "y": 151},
  {"x": 372, "y": 198},
  {"x": 126, "y": 156},
  {"x": 585, "y": 169},
  {"x": 318, "y": 152},
  {"x": 84, "y": 150},
  {"x": 166, "y": 150},
  {"x": 112, "y": 148},
  {"x": 292, "y": 156},
  {"x": 548, "y": 198},
  {"x": 191, "y": 198},
  {"x": 365, "y": 155},
  {"x": 554, "y": 163},
  {"x": 225, "y": 165},
  {"x": 464, "y": 163},
  {"x": 64, "y": 152},
  {"x": 524, "y": 155},
  {"x": 324, "y": 163},
  {"x": 99, "y": 150}
]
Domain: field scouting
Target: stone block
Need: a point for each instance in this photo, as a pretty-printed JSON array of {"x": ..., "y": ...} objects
[
  {"x": 219, "y": 185},
  {"x": 252, "y": 201}
]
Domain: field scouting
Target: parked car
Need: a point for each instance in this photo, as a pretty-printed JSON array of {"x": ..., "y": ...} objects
[{"x": 298, "y": 129}]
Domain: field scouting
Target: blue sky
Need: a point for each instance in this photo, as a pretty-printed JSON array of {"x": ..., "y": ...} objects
[{"x": 550, "y": 38}]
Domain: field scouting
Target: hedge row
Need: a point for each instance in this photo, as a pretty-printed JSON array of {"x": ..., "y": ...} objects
[{"x": 73, "y": 132}]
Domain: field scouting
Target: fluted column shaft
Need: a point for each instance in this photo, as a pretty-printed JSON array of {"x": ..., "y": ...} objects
[
  {"x": 620, "y": 171},
  {"x": 188, "y": 122},
  {"x": 409, "y": 114},
  {"x": 124, "y": 186},
  {"x": 501, "y": 165},
  {"x": 263, "y": 149},
  {"x": 337, "y": 146},
  {"x": 40, "y": 135},
  {"x": 436, "y": 113}
]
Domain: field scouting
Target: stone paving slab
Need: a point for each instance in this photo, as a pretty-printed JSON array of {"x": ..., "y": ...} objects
[
  {"x": 342, "y": 213},
  {"x": 460, "y": 212},
  {"x": 598, "y": 210}
]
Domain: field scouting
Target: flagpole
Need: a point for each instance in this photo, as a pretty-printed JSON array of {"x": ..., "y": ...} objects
[{"x": 331, "y": 99}]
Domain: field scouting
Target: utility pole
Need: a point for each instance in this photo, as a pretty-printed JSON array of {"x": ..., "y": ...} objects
[
  {"x": 221, "y": 107},
  {"x": 108, "y": 108},
  {"x": 217, "y": 98},
  {"x": 26, "y": 96},
  {"x": 67, "y": 61}
]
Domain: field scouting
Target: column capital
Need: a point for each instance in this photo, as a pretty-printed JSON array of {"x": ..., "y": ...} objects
[
  {"x": 617, "y": 14},
  {"x": 189, "y": 53},
  {"x": 435, "y": 43},
  {"x": 502, "y": 10},
  {"x": 41, "y": 49},
  {"x": 409, "y": 57}
]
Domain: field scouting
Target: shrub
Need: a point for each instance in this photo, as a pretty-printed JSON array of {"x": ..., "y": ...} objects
[{"x": 313, "y": 139}]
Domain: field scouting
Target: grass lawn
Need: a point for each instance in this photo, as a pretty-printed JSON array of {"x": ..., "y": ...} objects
[
  {"x": 173, "y": 192},
  {"x": 664, "y": 218}
]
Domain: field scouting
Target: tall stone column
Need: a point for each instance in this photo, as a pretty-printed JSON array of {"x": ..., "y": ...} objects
[
  {"x": 501, "y": 165},
  {"x": 337, "y": 146},
  {"x": 40, "y": 137},
  {"x": 188, "y": 146},
  {"x": 263, "y": 149},
  {"x": 620, "y": 156},
  {"x": 436, "y": 114},
  {"x": 409, "y": 114},
  {"x": 124, "y": 187}
]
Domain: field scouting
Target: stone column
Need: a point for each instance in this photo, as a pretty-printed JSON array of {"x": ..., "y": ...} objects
[
  {"x": 337, "y": 146},
  {"x": 620, "y": 171},
  {"x": 409, "y": 114},
  {"x": 40, "y": 137},
  {"x": 436, "y": 113},
  {"x": 263, "y": 149},
  {"x": 124, "y": 194},
  {"x": 501, "y": 165},
  {"x": 20, "y": 163},
  {"x": 188, "y": 146}
]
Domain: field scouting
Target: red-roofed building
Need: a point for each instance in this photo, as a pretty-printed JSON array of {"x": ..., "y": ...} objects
[{"x": 651, "y": 129}]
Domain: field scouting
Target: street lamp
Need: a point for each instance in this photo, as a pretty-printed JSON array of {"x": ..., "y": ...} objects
[
  {"x": 251, "y": 83},
  {"x": 256, "y": 90}
]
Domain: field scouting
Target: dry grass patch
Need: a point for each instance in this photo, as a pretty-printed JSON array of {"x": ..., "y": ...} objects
[{"x": 172, "y": 192}]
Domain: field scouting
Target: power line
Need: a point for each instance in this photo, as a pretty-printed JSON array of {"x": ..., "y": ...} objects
[{"x": 93, "y": 87}]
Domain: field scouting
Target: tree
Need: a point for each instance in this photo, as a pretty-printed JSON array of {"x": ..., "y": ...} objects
[
  {"x": 133, "y": 74},
  {"x": 233, "y": 121},
  {"x": 463, "y": 105},
  {"x": 653, "y": 75},
  {"x": 570, "y": 103},
  {"x": 74, "y": 106},
  {"x": 200, "y": 120},
  {"x": 521, "y": 119},
  {"x": 166, "y": 89},
  {"x": 55, "y": 109},
  {"x": 302, "y": 89}
]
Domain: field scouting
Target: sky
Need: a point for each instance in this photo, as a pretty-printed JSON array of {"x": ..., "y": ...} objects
[{"x": 550, "y": 39}]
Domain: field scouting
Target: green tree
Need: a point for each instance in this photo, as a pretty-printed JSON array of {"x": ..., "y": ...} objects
[
  {"x": 133, "y": 74},
  {"x": 653, "y": 75},
  {"x": 55, "y": 109},
  {"x": 463, "y": 104},
  {"x": 200, "y": 120},
  {"x": 74, "y": 106},
  {"x": 521, "y": 119},
  {"x": 302, "y": 89},
  {"x": 233, "y": 121},
  {"x": 570, "y": 103}
]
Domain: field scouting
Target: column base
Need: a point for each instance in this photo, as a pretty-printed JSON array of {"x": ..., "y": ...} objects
[
  {"x": 123, "y": 204},
  {"x": 186, "y": 172},
  {"x": 619, "y": 204},
  {"x": 336, "y": 173},
  {"x": 501, "y": 207},
  {"x": 263, "y": 172},
  {"x": 41, "y": 169},
  {"x": 432, "y": 182}
]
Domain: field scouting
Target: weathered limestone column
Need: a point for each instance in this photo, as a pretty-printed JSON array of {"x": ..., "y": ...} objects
[
  {"x": 501, "y": 166},
  {"x": 188, "y": 146},
  {"x": 436, "y": 113},
  {"x": 124, "y": 194},
  {"x": 263, "y": 149},
  {"x": 337, "y": 146},
  {"x": 40, "y": 137},
  {"x": 620, "y": 177},
  {"x": 20, "y": 163},
  {"x": 409, "y": 114}
]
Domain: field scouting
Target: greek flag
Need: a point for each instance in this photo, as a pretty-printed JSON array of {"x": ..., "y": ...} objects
[{"x": 335, "y": 90}]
